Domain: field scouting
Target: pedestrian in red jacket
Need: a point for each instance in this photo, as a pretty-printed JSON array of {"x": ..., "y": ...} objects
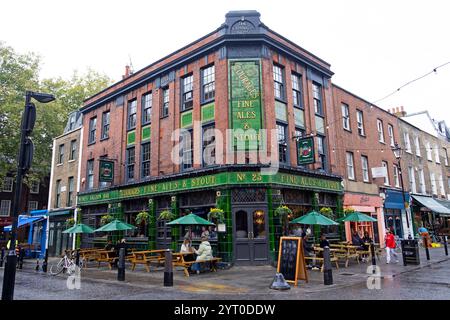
[{"x": 390, "y": 246}]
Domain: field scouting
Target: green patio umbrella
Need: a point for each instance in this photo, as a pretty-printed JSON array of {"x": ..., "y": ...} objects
[
  {"x": 115, "y": 225},
  {"x": 314, "y": 217},
  {"x": 79, "y": 228},
  {"x": 357, "y": 217},
  {"x": 190, "y": 220}
]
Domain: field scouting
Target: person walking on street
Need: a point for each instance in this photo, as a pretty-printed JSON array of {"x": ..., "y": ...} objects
[{"x": 390, "y": 247}]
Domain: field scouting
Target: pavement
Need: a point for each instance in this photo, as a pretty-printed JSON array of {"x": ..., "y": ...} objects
[{"x": 430, "y": 279}]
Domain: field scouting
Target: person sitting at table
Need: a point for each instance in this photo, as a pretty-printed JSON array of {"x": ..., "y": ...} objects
[
  {"x": 323, "y": 241},
  {"x": 205, "y": 232},
  {"x": 308, "y": 250},
  {"x": 367, "y": 240},
  {"x": 204, "y": 252},
  {"x": 109, "y": 246},
  {"x": 357, "y": 241}
]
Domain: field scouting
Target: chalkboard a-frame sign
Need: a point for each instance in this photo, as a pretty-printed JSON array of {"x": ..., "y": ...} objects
[{"x": 291, "y": 261}]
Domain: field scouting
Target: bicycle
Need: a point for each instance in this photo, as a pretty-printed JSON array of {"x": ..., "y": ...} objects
[{"x": 65, "y": 264}]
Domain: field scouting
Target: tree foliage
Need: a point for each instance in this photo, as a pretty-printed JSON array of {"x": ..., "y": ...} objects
[{"x": 19, "y": 73}]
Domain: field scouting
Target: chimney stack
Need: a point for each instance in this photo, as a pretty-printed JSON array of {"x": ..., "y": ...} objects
[
  {"x": 127, "y": 72},
  {"x": 399, "y": 112}
]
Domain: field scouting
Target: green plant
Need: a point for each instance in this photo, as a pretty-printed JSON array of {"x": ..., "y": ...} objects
[
  {"x": 107, "y": 218},
  {"x": 216, "y": 213},
  {"x": 70, "y": 222},
  {"x": 142, "y": 216},
  {"x": 326, "y": 211},
  {"x": 282, "y": 211},
  {"x": 166, "y": 215},
  {"x": 348, "y": 210}
]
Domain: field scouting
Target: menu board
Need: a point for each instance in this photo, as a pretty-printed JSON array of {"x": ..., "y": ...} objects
[{"x": 291, "y": 262}]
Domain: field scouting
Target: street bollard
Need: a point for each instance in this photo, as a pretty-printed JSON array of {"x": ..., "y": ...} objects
[
  {"x": 327, "y": 271},
  {"x": 77, "y": 259},
  {"x": 445, "y": 245},
  {"x": 168, "y": 271},
  {"x": 2, "y": 257},
  {"x": 37, "y": 265},
  {"x": 21, "y": 256},
  {"x": 372, "y": 252},
  {"x": 45, "y": 262},
  {"x": 427, "y": 251},
  {"x": 121, "y": 265}
]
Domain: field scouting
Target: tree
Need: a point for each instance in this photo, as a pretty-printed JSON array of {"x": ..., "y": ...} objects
[{"x": 20, "y": 72}]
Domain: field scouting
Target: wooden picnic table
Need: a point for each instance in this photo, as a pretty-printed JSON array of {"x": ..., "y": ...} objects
[
  {"x": 179, "y": 261},
  {"x": 319, "y": 251},
  {"x": 145, "y": 257}
]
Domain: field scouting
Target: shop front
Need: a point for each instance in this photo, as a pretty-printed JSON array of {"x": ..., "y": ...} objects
[
  {"x": 58, "y": 241},
  {"x": 247, "y": 198},
  {"x": 431, "y": 213},
  {"x": 373, "y": 207},
  {"x": 395, "y": 213}
]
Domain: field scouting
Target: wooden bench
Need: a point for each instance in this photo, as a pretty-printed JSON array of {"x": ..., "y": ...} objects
[
  {"x": 108, "y": 257},
  {"x": 87, "y": 255},
  {"x": 345, "y": 252},
  {"x": 318, "y": 250},
  {"x": 146, "y": 257},
  {"x": 178, "y": 261}
]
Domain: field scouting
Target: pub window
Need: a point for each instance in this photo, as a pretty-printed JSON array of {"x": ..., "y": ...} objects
[
  {"x": 296, "y": 90},
  {"x": 132, "y": 107},
  {"x": 209, "y": 146},
  {"x": 61, "y": 154},
  {"x": 130, "y": 163},
  {"x": 105, "y": 125},
  {"x": 90, "y": 174},
  {"x": 317, "y": 98},
  {"x": 186, "y": 96},
  {"x": 147, "y": 103},
  {"x": 165, "y": 102},
  {"x": 186, "y": 152},
  {"x": 208, "y": 83},
  {"x": 278, "y": 82},
  {"x": 145, "y": 163},
  {"x": 73, "y": 149},
  {"x": 282, "y": 143},
  {"x": 92, "y": 129}
]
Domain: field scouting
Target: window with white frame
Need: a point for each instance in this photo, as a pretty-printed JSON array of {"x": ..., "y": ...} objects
[
  {"x": 8, "y": 184},
  {"x": 360, "y": 122},
  {"x": 278, "y": 82},
  {"x": 436, "y": 154},
  {"x": 412, "y": 180},
  {"x": 396, "y": 176},
  {"x": 345, "y": 116},
  {"x": 32, "y": 205},
  {"x": 422, "y": 186},
  {"x": 5, "y": 208},
  {"x": 445, "y": 157},
  {"x": 34, "y": 187},
  {"x": 433, "y": 183},
  {"x": 407, "y": 142},
  {"x": 187, "y": 86},
  {"x": 428, "y": 147},
  {"x": 365, "y": 168},
  {"x": 380, "y": 130},
  {"x": 350, "y": 166},
  {"x": 416, "y": 142},
  {"x": 441, "y": 185},
  {"x": 146, "y": 106},
  {"x": 384, "y": 164},
  {"x": 208, "y": 83},
  {"x": 391, "y": 135}
]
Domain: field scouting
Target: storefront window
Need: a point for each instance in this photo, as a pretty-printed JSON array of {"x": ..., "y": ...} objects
[
  {"x": 259, "y": 225},
  {"x": 241, "y": 224}
]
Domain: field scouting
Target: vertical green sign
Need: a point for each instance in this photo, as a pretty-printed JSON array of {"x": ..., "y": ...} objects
[
  {"x": 306, "y": 150},
  {"x": 106, "y": 171},
  {"x": 245, "y": 104}
]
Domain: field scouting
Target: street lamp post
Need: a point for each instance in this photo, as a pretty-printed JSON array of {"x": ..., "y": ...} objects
[
  {"x": 26, "y": 149},
  {"x": 398, "y": 155}
]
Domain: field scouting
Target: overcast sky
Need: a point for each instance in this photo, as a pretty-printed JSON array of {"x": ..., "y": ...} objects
[{"x": 373, "y": 46}]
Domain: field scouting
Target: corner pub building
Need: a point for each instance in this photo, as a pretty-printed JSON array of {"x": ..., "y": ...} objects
[{"x": 201, "y": 87}]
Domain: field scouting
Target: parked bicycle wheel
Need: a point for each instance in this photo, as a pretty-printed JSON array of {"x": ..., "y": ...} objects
[{"x": 57, "y": 268}]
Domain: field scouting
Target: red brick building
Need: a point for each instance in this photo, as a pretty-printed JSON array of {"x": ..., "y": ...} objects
[{"x": 241, "y": 76}]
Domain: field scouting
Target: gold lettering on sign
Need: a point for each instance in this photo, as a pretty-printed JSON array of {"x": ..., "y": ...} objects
[
  {"x": 240, "y": 177},
  {"x": 248, "y": 85}
]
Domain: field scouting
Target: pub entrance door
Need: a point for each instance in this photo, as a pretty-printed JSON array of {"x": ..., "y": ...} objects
[{"x": 250, "y": 233}]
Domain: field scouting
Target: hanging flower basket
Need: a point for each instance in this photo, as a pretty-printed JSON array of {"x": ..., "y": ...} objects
[
  {"x": 106, "y": 219},
  {"x": 282, "y": 211},
  {"x": 166, "y": 215},
  {"x": 142, "y": 216},
  {"x": 216, "y": 214},
  {"x": 70, "y": 222},
  {"x": 327, "y": 212}
]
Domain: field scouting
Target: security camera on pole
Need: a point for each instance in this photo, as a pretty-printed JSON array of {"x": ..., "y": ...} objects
[{"x": 26, "y": 149}]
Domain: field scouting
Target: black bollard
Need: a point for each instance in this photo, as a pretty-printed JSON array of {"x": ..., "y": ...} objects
[
  {"x": 445, "y": 245},
  {"x": 2, "y": 257},
  {"x": 77, "y": 258},
  {"x": 37, "y": 265},
  {"x": 21, "y": 256},
  {"x": 372, "y": 251},
  {"x": 121, "y": 265},
  {"x": 327, "y": 271},
  {"x": 168, "y": 271},
  {"x": 45, "y": 262},
  {"x": 427, "y": 251}
]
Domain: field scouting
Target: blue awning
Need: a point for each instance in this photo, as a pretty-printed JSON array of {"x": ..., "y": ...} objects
[
  {"x": 24, "y": 220},
  {"x": 394, "y": 199}
]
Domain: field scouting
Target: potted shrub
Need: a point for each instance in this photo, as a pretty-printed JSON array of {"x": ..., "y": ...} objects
[
  {"x": 107, "y": 218},
  {"x": 166, "y": 215}
]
